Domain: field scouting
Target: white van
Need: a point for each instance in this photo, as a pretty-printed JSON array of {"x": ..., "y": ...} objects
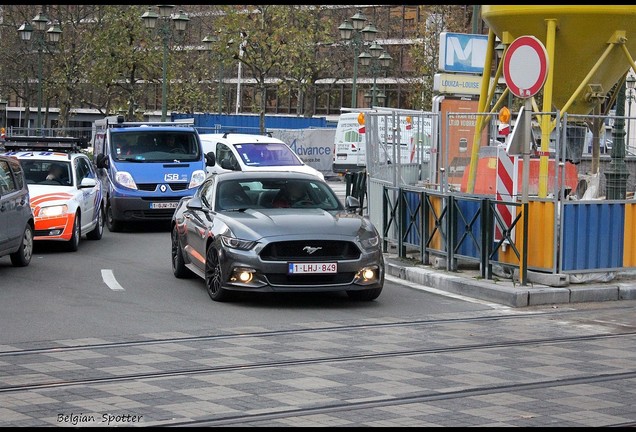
[
  {"x": 349, "y": 144},
  {"x": 250, "y": 152},
  {"x": 350, "y": 139}
]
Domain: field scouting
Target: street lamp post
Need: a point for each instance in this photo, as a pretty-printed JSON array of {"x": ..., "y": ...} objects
[
  {"x": 52, "y": 35},
  {"x": 150, "y": 22},
  {"x": 377, "y": 59},
  {"x": 357, "y": 34},
  {"x": 239, "y": 77},
  {"x": 630, "y": 81},
  {"x": 3, "y": 123}
]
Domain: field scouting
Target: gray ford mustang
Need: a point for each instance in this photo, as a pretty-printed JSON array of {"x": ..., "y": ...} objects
[{"x": 275, "y": 232}]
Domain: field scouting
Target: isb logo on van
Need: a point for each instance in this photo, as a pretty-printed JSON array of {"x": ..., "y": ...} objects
[{"x": 146, "y": 168}]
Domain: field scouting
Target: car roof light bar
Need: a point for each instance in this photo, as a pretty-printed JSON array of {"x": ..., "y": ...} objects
[{"x": 63, "y": 144}]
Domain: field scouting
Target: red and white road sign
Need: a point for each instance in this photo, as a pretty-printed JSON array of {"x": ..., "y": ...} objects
[
  {"x": 506, "y": 190},
  {"x": 525, "y": 66}
]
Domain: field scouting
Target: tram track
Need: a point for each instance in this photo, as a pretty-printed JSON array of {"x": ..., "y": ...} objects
[
  {"x": 399, "y": 401},
  {"x": 249, "y": 378},
  {"x": 290, "y": 363},
  {"x": 341, "y": 328}
]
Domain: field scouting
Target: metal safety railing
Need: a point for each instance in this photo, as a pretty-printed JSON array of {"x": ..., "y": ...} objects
[{"x": 454, "y": 226}]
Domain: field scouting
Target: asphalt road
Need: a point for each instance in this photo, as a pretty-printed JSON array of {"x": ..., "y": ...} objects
[
  {"x": 123, "y": 285},
  {"x": 108, "y": 336}
]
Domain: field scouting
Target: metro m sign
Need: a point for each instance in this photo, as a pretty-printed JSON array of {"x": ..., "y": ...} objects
[{"x": 460, "y": 52}]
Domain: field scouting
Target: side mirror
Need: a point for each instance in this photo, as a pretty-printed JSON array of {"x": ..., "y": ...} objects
[
  {"x": 87, "y": 182},
  {"x": 210, "y": 159},
  {"x": 101, "y": 161},
  {"x": 195, "y": 204},
  {"x": 352, "y": 203}
]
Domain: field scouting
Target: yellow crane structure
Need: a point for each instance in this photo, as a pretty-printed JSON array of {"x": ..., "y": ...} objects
[{"x": 589, "y": 53}]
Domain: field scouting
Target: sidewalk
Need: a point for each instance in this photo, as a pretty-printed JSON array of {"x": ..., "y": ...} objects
[{"x": 508, "y": 291}]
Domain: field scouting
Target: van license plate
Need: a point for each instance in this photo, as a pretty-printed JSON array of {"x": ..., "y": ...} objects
[
  {"x": 305, "y": 268},
  {"x": 164, "y": 205}
]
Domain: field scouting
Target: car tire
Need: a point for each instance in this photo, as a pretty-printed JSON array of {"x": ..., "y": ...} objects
[
  {"x": 73, "y": 243},
  {"x": 98, "y": 231},
  {"x": 22, "y": 257},
  {"x": 112, "y": 224},
  {"x": 365, "y": 295},
  {"x": 214, "y": 276},
  {"x": 179, "y": 268}
]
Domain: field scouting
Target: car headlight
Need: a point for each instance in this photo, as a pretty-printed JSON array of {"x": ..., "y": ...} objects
[
  {"x": 370, "y": 242},
  {"x": 235, "y": 243},
  {"x": 197, "y": 178},
  {"x": 125, "y": 179},
  {"x": 53, "y": 211}
]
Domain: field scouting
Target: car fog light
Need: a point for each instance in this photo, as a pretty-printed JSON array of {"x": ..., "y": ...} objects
[
  {"x": 55, "y": 232},
  {"x": 243, "y": 275},
  {"x": 368, "y": 274}
]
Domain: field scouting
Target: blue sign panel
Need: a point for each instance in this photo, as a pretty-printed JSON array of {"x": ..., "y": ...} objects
[{"x": 460, "y": 52}]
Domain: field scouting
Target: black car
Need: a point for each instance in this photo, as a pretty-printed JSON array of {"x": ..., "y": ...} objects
[
  {"x": 16, "y": 216},
  {"x": 239, "y": 234}
]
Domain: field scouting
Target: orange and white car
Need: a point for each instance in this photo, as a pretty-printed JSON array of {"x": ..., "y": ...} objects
[{"x": 66, "y": 205}]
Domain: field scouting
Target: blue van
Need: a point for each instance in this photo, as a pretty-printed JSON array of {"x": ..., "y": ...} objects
[{"x": 146, "y": 167}]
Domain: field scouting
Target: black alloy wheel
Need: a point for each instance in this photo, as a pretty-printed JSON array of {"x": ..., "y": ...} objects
[{"x": 214, "y": 276}]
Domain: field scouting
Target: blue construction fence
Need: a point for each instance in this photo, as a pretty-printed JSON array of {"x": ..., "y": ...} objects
[{"x": 250, "y": 123}]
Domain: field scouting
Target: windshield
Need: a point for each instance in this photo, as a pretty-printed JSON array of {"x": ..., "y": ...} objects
[
  {"x": 257, "y": 193},
  {"x": 267, "y": 154},
  {"x": 154, "y": 146},
  {"x": 46, "y": 172}
]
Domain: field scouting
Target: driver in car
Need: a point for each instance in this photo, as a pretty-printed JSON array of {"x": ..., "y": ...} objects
[
  {"x": 290, "y": 194},
  {"x": 55, "y": 173}
]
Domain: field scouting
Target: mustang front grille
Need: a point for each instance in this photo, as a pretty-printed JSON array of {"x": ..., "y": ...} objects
[{"x": 310, "y": 250}]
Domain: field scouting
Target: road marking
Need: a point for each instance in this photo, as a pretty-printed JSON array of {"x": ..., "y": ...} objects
[
  {"x": 109, "y": 279},
  {"x": 445, "y": 293}
]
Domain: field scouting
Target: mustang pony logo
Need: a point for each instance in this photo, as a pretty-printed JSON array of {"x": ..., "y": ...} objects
[{"x": 310, "y": 250}]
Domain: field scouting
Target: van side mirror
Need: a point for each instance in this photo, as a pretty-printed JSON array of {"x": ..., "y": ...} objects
[
  {"x": 210, "y": 159},
  {"x": 101, "y": 161}
]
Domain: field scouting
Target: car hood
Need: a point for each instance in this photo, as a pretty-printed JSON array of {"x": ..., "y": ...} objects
[
  {"x": 295, "y": 168},
  {"x": 254, "y": 224},
  {"x": 49, "y": 194},
  {"x": 281, "y": 168},
  {"x": 38, "y": 190},
  {"x": 148, "y": 172}
]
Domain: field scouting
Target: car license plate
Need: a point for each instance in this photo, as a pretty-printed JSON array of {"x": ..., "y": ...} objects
[
  {"x": 164, "y": 205},
  {"x": 304, "y": 268}
]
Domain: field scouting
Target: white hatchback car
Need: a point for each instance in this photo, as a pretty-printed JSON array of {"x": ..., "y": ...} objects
[
  {"x": 249, "y": 152},
  {"x": 65, "y": 195}
]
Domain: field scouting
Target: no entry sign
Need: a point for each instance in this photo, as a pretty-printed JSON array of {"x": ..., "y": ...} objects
[{"x": 525, "y": 66}]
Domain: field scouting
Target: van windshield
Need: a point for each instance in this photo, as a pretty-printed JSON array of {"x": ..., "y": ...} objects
[
  {"x": 267, "y": 154},
  {"x": 155, "y": 146}
]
